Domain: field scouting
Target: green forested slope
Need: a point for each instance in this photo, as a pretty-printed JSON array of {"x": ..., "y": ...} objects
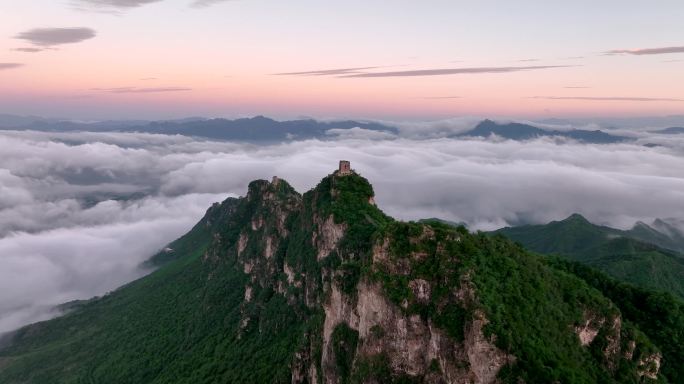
[{"x": 621, "y": 254}]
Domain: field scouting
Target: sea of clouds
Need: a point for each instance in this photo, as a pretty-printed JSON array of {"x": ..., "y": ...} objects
[{"x": 80, "y": 212}]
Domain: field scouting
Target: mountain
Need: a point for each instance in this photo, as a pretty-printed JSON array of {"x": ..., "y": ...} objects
[
  {"x": 642, "y": 255},
  {"x": 518, "y": 131},
  {"x": 662, "y": 233},
  {"x": 262, "y": 129},
  {"x": 325, "y": 288},
  {"x": 255, "y": 129},
  {"x": 671, "y": 130}
]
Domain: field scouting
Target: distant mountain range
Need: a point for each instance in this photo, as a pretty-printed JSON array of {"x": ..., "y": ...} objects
[
  {"x": 261, "y": 129},
  {"x": 671, "y": 131},
  {"x": 518, "y": 131},
  {"x": 647, "y": 256}
]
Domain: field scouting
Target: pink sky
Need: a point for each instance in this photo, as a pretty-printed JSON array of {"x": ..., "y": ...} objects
[{"x": 167, "y": 59}]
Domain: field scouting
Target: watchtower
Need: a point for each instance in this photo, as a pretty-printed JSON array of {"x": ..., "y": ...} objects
[{"x": 345, "y": 168}]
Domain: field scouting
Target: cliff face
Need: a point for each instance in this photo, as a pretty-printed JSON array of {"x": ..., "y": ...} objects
[
  {"x": 391, "y": 301},
  {"x": 325, "y": 288}
]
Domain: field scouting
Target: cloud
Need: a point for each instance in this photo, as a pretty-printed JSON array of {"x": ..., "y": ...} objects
[
  {"x": 646, "y": 51},
  {"x": 206, "y": 3},
  {"x": 114, "y": 3},
  {"x": 358, "y": 133},
  {"x": 79, "y": 211},
  {"x": 47, "y": 37},
  {"x": 326, "y": 72},
  {"x": 453, "y": 71},
  {"x": 10, "y": 65},
  {"x": 42, "y": 269},
  {"x": 29, "y": 49},
  {"x": 593, "y": 98},
  {"x": 142, "y": 90}
]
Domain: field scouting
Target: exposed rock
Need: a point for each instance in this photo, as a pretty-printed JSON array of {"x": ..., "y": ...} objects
[
  {"x": 338, "y": 309},
  {"x": 409, "y": 342},
  {"x": 612, "y": 349},
  {"x": 588, "y": 331},
  {"x": 290, "y": 273},
  {"x": 421, "y": 290},
  {"x": 270, "y": 247},
  {"x": 381, "y": 252},
  {"x": 248, "y": 267},
  {"x": 257, "y": 223},
  {"x": 244, "y": 323},
  {"x": 382, "y": 258},
  {"x": 465, "y": 293},
  {"x": 248, "y": 293},
  {"x": 242, "y": 243},
  {"x": 327, "y": 235},
  {"x": 629, "y": 352},
  {"x": 650, "y": 366},
  {"x": 484, "y": 357}
]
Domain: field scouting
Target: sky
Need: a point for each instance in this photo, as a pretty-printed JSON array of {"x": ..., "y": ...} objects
[{"x": 408, "y": 60}]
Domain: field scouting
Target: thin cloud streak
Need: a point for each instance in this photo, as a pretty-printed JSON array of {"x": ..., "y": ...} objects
[
  {"x": 10, "y": 65},
  {"x": 142, "y": 90},
  {"x": 441, "y": 97},
  {"x": 593, "y": 98},
  {"x": 29, "y": 50},
  {"x": 646, "y": 51},
  {"x": 326, "y": 72},
  {"x": 114, "y": 3},
  {"x": 206, "y": 3},
  {"x": 454, "y": 71},
  {"x": 47, "y": 37}
]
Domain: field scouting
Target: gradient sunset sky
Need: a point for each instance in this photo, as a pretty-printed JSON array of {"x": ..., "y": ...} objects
[{"x": 399, "y": 59}]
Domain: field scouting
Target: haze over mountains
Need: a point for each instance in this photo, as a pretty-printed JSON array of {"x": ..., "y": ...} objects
[{"x": 261, "y": 129}]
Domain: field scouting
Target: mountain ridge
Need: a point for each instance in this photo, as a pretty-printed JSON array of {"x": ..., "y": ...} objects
[
  {"x": 641, "y": 255},
  {"x": 261, "y": 129},
  {"x": 520, "y": 131}
]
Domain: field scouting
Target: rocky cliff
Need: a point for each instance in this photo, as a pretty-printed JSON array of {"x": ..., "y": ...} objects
[{"x": 398, "y": 300}]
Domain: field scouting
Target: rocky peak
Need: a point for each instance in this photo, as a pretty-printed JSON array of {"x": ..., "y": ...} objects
[{"x": 388, "y": 300}]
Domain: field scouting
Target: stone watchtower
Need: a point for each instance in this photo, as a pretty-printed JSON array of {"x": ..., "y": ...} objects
[{"x": 345, "y": 168}]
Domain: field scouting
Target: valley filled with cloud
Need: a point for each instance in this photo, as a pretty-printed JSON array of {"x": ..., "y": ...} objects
[{"x": 81, "y": 211}]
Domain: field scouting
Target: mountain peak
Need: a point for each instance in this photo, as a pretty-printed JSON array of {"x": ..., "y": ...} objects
[{"x": 576, "y": 218}]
